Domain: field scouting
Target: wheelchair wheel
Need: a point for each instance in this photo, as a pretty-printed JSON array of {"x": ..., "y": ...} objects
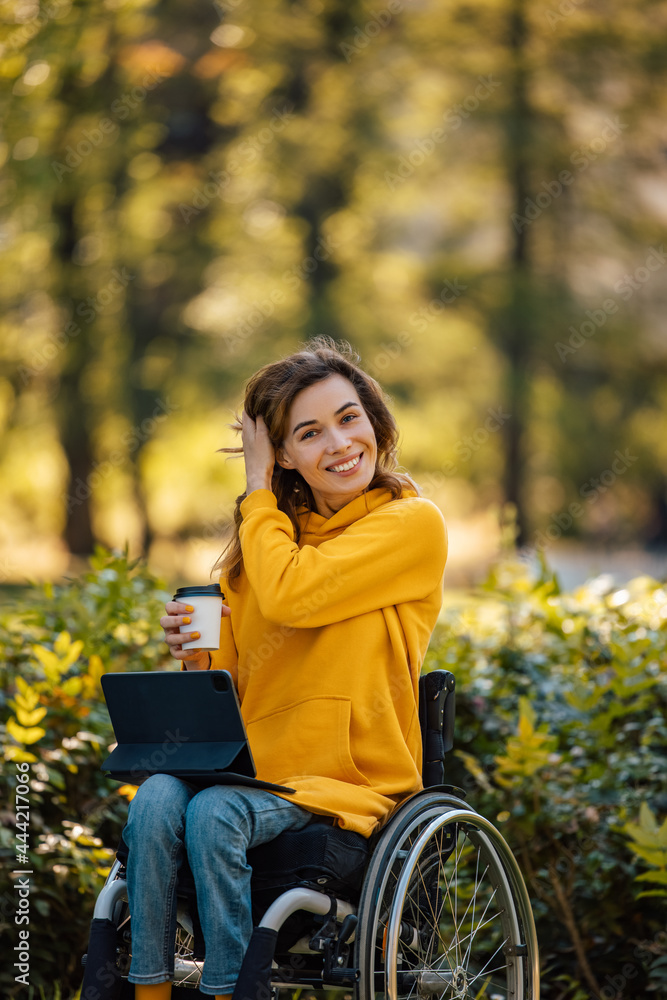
[{"x": 444, "y": 912}]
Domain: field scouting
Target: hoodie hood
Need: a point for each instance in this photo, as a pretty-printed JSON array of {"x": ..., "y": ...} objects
[{"x": 313, "y": 524}]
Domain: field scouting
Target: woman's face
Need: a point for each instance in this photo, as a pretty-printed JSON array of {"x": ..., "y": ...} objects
[{"x": 327, "y": 430}]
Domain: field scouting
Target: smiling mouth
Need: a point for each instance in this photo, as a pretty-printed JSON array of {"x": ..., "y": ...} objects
[{"x": 345, "y": 466}]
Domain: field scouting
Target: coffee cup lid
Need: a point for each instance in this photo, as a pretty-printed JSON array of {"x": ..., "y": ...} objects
[{"x": 210, "y": 590}]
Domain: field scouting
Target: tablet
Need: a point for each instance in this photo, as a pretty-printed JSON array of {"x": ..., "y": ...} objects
[{"x": 187, "y": 723}]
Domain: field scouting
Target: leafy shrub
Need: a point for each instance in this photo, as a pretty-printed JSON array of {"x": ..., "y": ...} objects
[
  {"x": 561, "y": 741},
  {"x": 55, "y": 646}
]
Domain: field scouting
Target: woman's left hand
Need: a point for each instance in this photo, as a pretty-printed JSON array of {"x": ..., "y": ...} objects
[{"x": 258, "y": 453}]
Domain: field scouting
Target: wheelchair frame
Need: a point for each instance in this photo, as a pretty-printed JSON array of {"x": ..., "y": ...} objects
[{"x": 443, "y": 910}]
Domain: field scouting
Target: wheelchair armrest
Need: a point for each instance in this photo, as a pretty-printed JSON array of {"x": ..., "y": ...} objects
[{"x": 436, "y": 717}]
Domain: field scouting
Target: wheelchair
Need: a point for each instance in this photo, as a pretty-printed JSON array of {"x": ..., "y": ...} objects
[{"x": 433, "y": 905}]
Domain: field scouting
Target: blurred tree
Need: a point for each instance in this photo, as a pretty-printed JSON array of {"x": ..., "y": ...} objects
[{"x": 191, "y": 190}]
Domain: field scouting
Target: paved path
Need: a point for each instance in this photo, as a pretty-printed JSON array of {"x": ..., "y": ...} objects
[{"x": 574, "y": 565}]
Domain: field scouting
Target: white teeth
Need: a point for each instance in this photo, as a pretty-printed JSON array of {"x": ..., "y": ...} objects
[{"x": 348, "y": 465}]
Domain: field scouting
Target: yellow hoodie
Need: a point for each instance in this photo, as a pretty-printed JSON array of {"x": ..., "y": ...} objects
[{"x": 325, "y": 642}]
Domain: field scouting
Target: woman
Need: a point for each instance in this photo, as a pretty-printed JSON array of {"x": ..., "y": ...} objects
[{"x": 334, "y": 583}]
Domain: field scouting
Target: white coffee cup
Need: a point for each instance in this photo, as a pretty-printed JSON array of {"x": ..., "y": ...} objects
[{"x": 207, "y": 604}]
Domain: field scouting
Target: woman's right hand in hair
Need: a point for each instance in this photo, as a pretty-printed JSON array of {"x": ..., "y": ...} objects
[{"x": 180, "y": 614}]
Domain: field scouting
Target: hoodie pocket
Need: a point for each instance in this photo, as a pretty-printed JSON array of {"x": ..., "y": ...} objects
[{"x": 309, "y": 738}]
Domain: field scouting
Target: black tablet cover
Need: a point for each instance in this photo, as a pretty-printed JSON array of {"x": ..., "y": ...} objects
[{"x": 186, "y": 723}]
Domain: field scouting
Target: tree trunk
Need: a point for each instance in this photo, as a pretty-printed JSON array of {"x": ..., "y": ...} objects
[
  {"x": 78, "y": 528},
  {"x": 517, "y": 331},
  {"x": 71, "y": 413}
]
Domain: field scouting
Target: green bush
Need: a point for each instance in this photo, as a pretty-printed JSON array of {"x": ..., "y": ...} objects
[
  {"x": 56, "y": 643},
  {"x": 561, "y": 741}
]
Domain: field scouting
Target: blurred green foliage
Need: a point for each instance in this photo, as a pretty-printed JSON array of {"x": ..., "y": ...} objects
[
  {"x": 190, "y": 189},
  {"x": 562, "y": 733},
  {"x": 561, "y": 741},
  {"x": 55, "y": 645}
]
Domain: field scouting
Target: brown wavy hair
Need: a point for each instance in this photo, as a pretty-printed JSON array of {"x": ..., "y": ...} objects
[{"x": 270, "y": 392}]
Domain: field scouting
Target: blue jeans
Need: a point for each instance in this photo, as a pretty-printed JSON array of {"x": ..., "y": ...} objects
[{"x": 215, "y": 826}]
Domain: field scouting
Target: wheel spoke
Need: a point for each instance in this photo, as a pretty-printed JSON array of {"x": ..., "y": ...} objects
[
  {"x": 482, "y": 970},
  {"x": 448, "y": 888},
  {"x": 474, "y": 900},
  {"x": 486, "y": 922},
  {"x": 487, "y": 972},
  {"x": 456, "y": 918}
]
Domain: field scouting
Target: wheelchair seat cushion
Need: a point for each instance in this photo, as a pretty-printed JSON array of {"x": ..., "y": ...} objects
[{"x": 320, "y": 856}]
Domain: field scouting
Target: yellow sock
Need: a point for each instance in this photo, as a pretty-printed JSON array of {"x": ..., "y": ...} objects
[
  {"x": 162, "y": 991},
  {"x": 152, "y": 991}
]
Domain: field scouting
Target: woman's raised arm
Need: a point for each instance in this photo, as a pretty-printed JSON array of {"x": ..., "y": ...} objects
[{"x": 395, "y": 554}]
